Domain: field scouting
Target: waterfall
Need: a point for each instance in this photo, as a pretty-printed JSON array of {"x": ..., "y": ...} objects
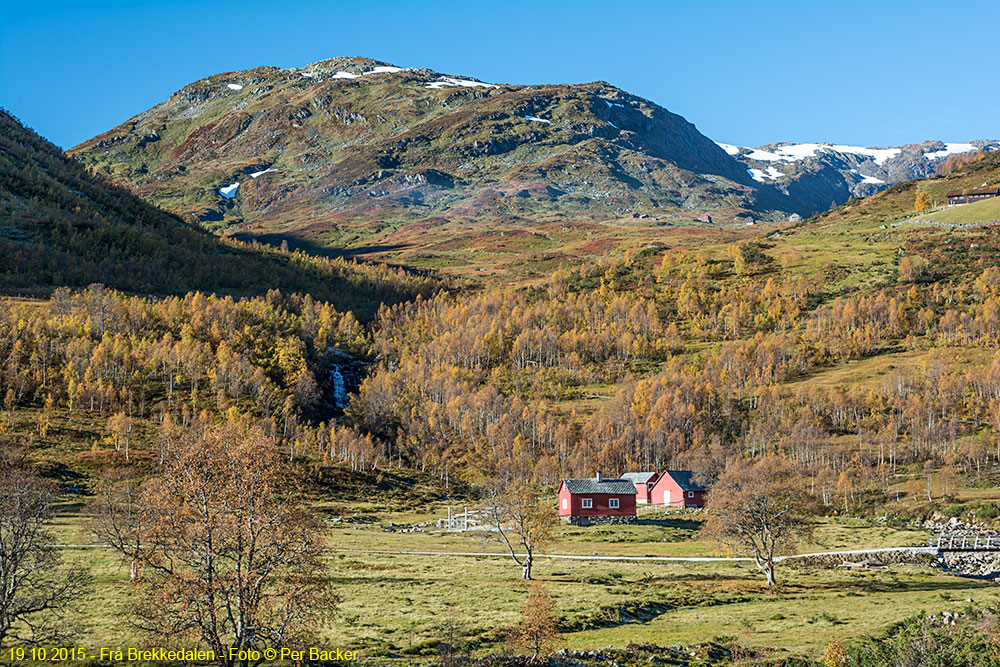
[{"x": 340, "y": 398}]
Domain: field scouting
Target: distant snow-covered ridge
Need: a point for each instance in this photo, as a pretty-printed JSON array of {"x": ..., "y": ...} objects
[
  {"x": 814, "y": 174},
  {"x": 827, "y": 169},
  {"x": 793, "y": 152}
]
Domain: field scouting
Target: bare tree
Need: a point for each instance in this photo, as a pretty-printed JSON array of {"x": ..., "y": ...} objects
[
  {"x": 522, "y": 522},
  {"x": 220, "y": 546},
  {"x": 757, "y": 508},
  {"x": 36, "y": 593},
  {"x": 121, "y": 516}
]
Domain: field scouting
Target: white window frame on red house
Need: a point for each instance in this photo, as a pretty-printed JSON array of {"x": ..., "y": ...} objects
[
  {"x": 613, "y": 503},
  {"x": 587, "y": 503},
  {"x": 565, "y": 503},
  {"x": 690, "y": 494}
]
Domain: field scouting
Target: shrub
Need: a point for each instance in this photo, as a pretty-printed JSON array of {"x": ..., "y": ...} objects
[
  {"x": 953, "y": 510},
  {"x": 988, "y": 511}
]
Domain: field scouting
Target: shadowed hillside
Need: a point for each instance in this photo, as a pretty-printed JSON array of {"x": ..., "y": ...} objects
[{"x": 61, "y": 226}]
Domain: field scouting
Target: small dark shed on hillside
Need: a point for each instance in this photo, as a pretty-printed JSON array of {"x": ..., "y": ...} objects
[{"x": 956, "y": 198}]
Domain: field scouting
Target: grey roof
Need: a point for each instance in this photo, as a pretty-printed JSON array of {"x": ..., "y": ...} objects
[
  {"x": 577, "y": 485},
  {"x": 638, "y": 477},
  {"x": 683, "y": 479}
]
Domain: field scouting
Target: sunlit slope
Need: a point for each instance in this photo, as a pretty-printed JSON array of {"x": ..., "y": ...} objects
[{"x": 987, "y": 210}]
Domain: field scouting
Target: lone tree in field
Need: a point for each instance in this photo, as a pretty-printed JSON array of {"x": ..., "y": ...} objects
[
  {"x": 757, "y": 508},
  {"x": 220, "y": 546},
  {"x": 36, "y": 594},
  {"x": 538, "y": 631},
  {"x": 922, "y": 202},
  {"x": 522, "y": 522}
]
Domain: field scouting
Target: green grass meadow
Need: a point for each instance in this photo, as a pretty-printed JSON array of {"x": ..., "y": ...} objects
[{"x": 398, "y": 608}]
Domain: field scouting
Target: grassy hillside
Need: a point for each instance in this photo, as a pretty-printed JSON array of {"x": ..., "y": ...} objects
[
  {"x": 987, "y": 210},
  {"x": 60, "y": 226}
]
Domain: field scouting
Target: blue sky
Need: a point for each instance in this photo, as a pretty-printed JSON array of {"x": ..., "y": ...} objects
[{"x": 869, "y": 73}]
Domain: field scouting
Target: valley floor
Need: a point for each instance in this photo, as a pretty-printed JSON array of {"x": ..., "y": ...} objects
[{"x": 400, "y": 608}]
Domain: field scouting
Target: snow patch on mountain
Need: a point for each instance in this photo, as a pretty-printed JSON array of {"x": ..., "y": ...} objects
[
  {"x": 787, "y": 153},
  {"x": 536, "y": 119},
  {"x": 234, "y": 86},
  {"x": 230, "y": 190},
  {"x": 381, "y": 69},
  {"x": 763, "y": 176},
  {"x": 879, "y": 155},
  {"x": 729, "y": 148},
  {"x": 871, "y": 180},
  {"x": 257, "y": 174},
  {"x": 796, "y": 152},
  {"x": 448, "y": 82},
  {"x": 867, "y": 179},
  {"x": 949, "y": 149}
]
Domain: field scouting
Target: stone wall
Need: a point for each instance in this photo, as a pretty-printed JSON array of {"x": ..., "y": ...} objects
[
  {"x": 594, "y": 520},
  {"x": 978, "y": 564}
]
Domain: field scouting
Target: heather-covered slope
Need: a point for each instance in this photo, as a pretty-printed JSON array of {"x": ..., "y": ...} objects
[
  {"x": 60, "y": 225},
  {"x": 349, "y": 141}
]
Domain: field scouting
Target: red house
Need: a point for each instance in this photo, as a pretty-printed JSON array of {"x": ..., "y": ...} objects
[
  {"x": 587, "y": 500},
  {"x": 644, "y": 482},
  {"x": 675, "y": 488}
]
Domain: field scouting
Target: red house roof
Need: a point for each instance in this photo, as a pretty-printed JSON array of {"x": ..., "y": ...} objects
[
  {"x": 589, "y": 485},
  {"x": 683, "y": 478}
]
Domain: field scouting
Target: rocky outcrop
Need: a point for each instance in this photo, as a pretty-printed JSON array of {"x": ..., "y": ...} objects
[
  {"x": 976, "y": 564},
  {"x": 941, "y": 524}
]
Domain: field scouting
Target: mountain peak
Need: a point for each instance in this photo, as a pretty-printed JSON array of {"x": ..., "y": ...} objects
[
  {"x": 356, "y": 65},
  {"x": 349, "y": 138}
]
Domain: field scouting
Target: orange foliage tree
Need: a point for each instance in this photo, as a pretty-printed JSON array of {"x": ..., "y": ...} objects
[
  {"x": 757, "y": 508},
  {"x": 539, "y": 628},
  {"x": 225, "y": 552}
]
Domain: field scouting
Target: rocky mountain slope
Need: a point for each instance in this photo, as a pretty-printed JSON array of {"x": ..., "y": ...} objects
[
  {"x": 349, "y": 140},
  {"x": 814, "y": 175},
  {"x": 351, "y": 150}
]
